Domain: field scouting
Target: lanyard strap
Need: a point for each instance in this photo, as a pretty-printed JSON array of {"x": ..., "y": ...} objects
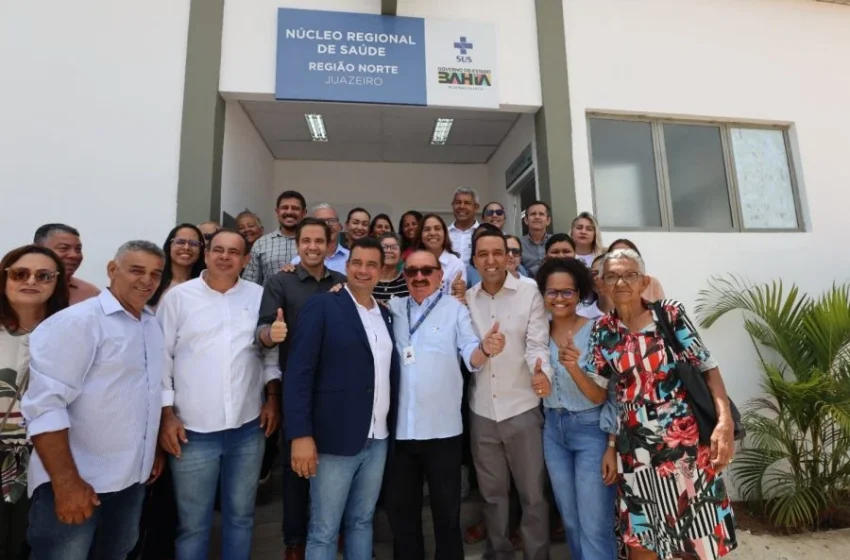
[{"x": 414, "y": 328}]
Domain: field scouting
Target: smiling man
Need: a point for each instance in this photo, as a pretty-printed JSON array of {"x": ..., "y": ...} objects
[
  {"x": 432, "y": 330},
  {"x": 214, "y": 417},
  {"x": 273, "y": 250},
  {"x": 65, "y": 242},
  {"x": 92, "y": 411},
  {"x": 340, "y": 394},
  {"x": 464, "y": 206},
  {"x": 288, "y": 292},
  {"x": 336, "y": 256},
  {"x": 250, "y": 226}
]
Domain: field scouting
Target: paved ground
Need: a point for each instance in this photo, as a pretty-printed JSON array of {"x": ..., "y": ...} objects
[{"x": 833, "y": 545}]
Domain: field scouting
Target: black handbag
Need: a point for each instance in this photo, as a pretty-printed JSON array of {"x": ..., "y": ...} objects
[{"x": 698, "y": 395}]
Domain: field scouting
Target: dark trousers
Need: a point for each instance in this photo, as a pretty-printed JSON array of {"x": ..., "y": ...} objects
[
  {"x": 296, "y": 501},
  {"x": 436, "y": 461},
  {"x": 159, "y": 521},
  {"x": 13, "y": 529}
]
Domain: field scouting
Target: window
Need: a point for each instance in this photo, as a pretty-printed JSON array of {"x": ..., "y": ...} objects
[{"x": 664, "y": 174}]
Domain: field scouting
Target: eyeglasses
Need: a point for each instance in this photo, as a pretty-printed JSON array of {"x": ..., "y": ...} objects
[
  {"x": 515, "y": 252},
  {"x": 494, "y": 212},
  {"x": 208, "y": 236},
  {"x": 426, "y": 271},
  {"x": 20, "y": 274},
  {"x": 629, "y": 278},
  {"x": 180, "y": 242},
  {"x": 553, "y": 294},
  {"x": 391, "y": 248},
  {"x": 331, "y": 221}
]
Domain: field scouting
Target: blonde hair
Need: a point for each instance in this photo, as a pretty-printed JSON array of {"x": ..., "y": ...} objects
[{"x": 598, "y": 248}]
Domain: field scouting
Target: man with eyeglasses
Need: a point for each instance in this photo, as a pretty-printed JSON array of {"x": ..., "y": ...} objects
[
  {"x": 336, "y": 255},
  {"x": 464, "y": 207},
  {"x": 208, "y": 229},
  {"x": 431, "y": 331},
  {"x": 287, "y": 292},
  {"x": 65, "y": 242}
]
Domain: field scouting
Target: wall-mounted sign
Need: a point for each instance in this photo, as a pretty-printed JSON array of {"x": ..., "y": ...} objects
[
  {"x": 366, "y": 58},
  {"x": 522, "y": 162}
]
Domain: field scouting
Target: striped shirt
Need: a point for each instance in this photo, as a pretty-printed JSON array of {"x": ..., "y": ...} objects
[
  {"x": 395, "y": 288},
  {"x": 268, "y": 255}
]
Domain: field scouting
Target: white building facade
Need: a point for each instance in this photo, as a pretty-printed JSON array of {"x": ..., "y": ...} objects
[{"x": 713, "y": 134}]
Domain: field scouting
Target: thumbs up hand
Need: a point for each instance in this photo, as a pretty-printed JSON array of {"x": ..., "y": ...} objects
[
  {"x": 493, "y": 342},
  {"x": 539, "y": 382},
  {"x": 458, "y": 286},
  {"x": 278, "y": 330},
  {"x": 568, "y": 353}
]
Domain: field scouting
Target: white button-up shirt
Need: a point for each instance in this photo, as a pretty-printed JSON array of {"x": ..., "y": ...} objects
[
  {"x": 502, "y": 389},
  {"x": 215, "y": 371},
  {"x": 451, "y": 265},
  {"x": 431, "y": 387},
  {"x": 382, "y": 354},
  {"x": 462, "y": 240},
  {"x": 96, "y": 370}
]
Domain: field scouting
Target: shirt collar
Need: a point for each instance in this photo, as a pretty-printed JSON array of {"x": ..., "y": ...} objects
[
  {"x": 111, "y": 305},
  {"x": 340, "y": 250},
  {"x": 303, "y": 274},
  {"x": 235, "y": 287},
  {"x": 472, "y": 228},
  {"x": 546, "y": 237},
  {"x": 375, "y": 307},
  {"x": 427, "y": 301},
  {"x": 511, "y": 283}
]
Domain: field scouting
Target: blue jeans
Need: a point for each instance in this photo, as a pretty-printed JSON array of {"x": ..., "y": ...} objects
[
  {"x": 109, "y": 534},
  {"x": 345, "y": 489},
  {"x": 233, "y": 456},
  {"x": 573, "y": 446}
]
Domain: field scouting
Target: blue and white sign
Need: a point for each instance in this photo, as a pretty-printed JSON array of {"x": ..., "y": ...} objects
[{"x": 366, "y": 58}]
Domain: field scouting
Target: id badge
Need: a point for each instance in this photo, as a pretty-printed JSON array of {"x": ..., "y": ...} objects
[{"x": 409, "y": 356}]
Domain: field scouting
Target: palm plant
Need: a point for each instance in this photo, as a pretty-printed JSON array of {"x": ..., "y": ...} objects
[{"x": 795, "y": 462}]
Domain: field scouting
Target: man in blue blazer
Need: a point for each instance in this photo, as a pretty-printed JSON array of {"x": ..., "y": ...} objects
[{"x": 339, "y": 399}]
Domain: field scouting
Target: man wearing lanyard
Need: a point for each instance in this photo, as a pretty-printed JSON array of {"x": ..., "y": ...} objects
[{"x": 430, "y": 331}]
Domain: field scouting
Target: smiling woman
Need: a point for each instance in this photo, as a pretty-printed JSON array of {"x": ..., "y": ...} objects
[{"x": 183, "y": 247}]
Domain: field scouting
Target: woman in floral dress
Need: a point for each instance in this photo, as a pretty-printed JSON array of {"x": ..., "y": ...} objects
[{"x": 672, "y": 501}]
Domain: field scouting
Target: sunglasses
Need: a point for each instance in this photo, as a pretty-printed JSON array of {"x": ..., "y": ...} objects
[
  {"x": 208, "y": 236},
  {"x": 20, "y": 274},
  {"x": 494, "y": 212},
  {"x": 514, "y": 251},
  {"x": 180, "y": 242},
  {"x": 426, "y": 271}
]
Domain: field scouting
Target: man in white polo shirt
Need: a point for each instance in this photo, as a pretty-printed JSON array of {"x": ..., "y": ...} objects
[{"x": 214, "y": 418}]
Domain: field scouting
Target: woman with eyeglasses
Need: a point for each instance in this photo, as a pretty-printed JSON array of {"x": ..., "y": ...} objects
[
  {"x": 380, "y": 225},
  {"x": 588, "y": 240},
  {"x": 433, "y": 236},
  {"x": 391, "y": 283},
  {"x": 494, "y": 213},
  {"x": 184, "y": 261},
  {"x": 672, "y": 500},
  {"x": 577, "y": 416},
  {"x": 654, "y": 292},
  {"x": 33, "y": 289}
]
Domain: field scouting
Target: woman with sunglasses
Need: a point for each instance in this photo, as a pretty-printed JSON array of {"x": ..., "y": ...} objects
[
  {"x": 494, "y": 213},
  {"x": 433, "y": 236},
  {"x": 578, "y": 416},
  {"x": 515, "y": 259},
  {"x": 391, "y": 284},
  {"x": 183, "y": 249},
  {"x": 33, "y": 289}
]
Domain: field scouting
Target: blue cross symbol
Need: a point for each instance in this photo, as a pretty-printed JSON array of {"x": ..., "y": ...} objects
[{"x": 463, "y": 45}]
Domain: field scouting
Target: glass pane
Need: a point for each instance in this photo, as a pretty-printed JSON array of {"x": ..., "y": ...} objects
[
  {"x": 698, "y": 188},
  {"x": 764, "y": 179},
  {"x": 624, "y": 179}
]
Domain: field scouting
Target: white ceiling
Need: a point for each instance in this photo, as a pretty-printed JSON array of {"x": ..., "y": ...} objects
[{"x": 359, "y": 132}]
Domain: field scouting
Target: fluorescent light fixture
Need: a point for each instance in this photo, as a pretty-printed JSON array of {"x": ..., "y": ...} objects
[
  {"x": 441, "y": 131},
  {"x": 317, "y": 127}
]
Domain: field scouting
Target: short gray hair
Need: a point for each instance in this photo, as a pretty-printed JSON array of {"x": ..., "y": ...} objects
[
  {"x": 323, "y": 206},
  {"x": 390, "y": 235},
  {"x": 248, "y": 214},
  {"x": 467, "y": 191},
  {"x": 630, "y": 254},
  {"x": 139, "y": 245}
]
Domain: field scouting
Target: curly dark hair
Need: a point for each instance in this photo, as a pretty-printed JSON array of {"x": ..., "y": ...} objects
[
  {"x": 57, "y": 301},
  {"x": 574, "y": 267}
]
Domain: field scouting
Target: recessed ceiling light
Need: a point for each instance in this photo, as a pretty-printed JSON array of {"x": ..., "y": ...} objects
[
  {"x": 441, "y": 131},
  {"x": 317, "y": 127}
]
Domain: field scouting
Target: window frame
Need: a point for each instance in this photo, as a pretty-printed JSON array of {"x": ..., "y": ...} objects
[{"x": 663, "y": 180}]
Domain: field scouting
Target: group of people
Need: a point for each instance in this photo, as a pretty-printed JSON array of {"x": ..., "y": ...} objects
[{"x": 379, "y": 361}]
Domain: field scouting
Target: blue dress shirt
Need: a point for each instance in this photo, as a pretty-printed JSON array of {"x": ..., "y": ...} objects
[
  {"x": 431, "y": 388},
  {"x": 335, "y": 262},
  {"x": 97, "y": 371}
]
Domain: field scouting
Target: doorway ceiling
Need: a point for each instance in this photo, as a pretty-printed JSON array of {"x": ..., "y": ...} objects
[{"x": 359, "y": 132}]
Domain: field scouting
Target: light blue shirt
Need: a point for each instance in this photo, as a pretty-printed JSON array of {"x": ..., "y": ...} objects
[
  {"x": 335, "y": 262},
  {"x": 97, "y": 371},
  {"x": 431, "y": 388}
]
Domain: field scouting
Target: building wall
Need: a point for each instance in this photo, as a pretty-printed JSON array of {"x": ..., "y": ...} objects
[
  {"x": 760, "y": 60},
  {"x": 392, "y": 188},
  {"x": 90, "y": 113},
  {"x": 520, "y": 136},
  {"x": 250, "y": 35},
  {"x": 247, "y": 168}
]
